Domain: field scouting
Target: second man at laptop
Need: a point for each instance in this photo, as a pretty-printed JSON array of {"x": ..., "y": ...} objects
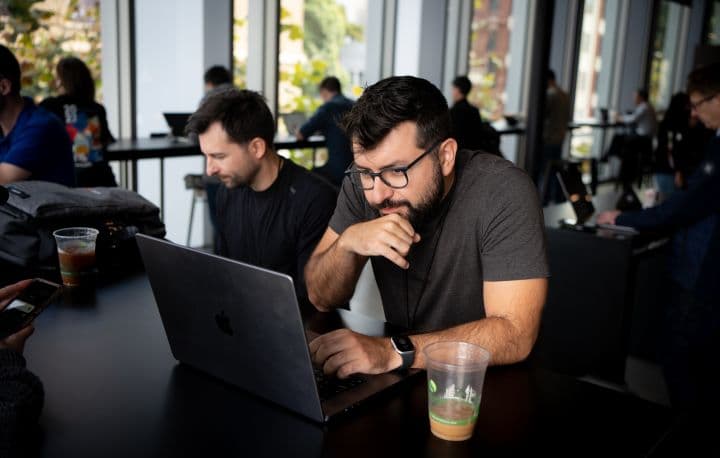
[{"x": 270, "y": 212}]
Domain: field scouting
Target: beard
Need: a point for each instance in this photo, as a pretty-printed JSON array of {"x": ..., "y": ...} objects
[{"x": 429, "y": 204}]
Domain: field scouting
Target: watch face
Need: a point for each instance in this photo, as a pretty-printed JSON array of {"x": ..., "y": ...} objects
[{"x": 403, "y": 344}]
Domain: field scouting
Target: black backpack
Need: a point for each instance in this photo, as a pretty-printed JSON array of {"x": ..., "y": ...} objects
[{"x": 37, "y": 208}]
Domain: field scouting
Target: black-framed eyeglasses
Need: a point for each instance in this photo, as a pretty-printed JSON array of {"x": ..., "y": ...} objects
[
  {"x": 699, "y": 103},
  {"x": 396, "y": 177}
]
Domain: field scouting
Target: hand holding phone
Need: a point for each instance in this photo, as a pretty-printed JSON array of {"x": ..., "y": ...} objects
[{"x": 19, "y": 305}]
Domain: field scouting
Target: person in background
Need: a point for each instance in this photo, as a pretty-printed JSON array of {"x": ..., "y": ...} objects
[
  {"x": 33, "y": 141},
  {"x": 642, "y": 119},
  {"x": 692, "y": 333},
  {"x": 21, "y": 392},
  {"x": 326, "y": 121},
  {"x": 85, "y": 122},
  {"x": 217, "y": 78},
  {"x": 270, "y": 212},
  {"x": 635, "y": 147},
  {"x": 555, "y": 125},
  {"x": 465, "y": 116}
]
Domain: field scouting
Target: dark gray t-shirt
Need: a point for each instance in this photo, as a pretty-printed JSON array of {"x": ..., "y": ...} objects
[{"x": 490, "y": 227}]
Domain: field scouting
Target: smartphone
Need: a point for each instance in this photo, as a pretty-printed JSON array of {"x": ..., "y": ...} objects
[{"x": 22, "y": 310}]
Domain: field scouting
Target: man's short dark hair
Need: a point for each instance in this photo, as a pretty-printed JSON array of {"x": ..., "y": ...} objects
[
  {"x": 331, "y": 84},
  {"x": 705, "y": 80},
  {"x": 550, "y": 75},
  {"x": 217, "y": 75},
  {"x": 389, "y": 102},
  {"x": 463, "y": 84},
  {"x": 643, "y": 93},
  {"x": 243, "y": 114},
  {"x": 10, "y": 69}
]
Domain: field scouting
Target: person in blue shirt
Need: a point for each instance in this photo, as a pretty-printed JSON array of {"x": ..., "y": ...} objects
[
  {"x": 692, "y": 215},
  {"x": 33, "y": 143},
  {"x": 326, "y": 121}
]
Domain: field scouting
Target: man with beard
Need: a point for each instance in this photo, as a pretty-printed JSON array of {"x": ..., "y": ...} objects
[
  {"x": 455, "y": 238},
  {"x": 33, "y": 142},
  {"x": 270, "y": 213}
]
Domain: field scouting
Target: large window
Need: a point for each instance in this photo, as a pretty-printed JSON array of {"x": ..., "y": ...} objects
[
  {"x": 713, "y": 25},
  {"x": 490, "y": 56},
  {"x": 664, "y": 52},
  {"x": 588, "y": 71},
  {"x": 319, "y": 38},
  {"x": 40, "y": 33},
  {"x": 240, "y": 42}
]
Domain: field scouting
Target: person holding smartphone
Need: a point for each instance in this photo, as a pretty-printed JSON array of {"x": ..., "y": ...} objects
[{"x": 21, "y": 392}]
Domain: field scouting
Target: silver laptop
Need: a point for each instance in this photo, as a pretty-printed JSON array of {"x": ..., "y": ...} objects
[
  {"x": 242, "y": 324},
  {"x": 293, "y": 121}
]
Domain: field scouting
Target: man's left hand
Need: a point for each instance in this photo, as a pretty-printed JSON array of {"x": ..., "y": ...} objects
[{"x": 344, "y": 352}]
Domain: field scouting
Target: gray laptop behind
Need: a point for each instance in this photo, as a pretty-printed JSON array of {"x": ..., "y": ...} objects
[
  {"x": 242, "y": 324},
  {"x": 293, "y": 121}
]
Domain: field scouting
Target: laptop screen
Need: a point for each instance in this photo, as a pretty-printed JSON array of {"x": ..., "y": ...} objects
[{"x": 177, "y": 123}]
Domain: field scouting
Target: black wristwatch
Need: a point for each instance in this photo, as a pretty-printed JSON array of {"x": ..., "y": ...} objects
[{"x": 405, "y": 348}]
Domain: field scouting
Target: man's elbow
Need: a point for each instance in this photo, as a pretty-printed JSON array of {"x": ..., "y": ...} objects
[
  {"x": 316, "y": 300},
  {"x": 313, "y": 290}
]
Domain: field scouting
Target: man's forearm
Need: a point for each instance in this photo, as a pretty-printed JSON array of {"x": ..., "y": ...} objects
[
  {"x": 499, "y": 336},
  {"x": 331, "y": 276}
]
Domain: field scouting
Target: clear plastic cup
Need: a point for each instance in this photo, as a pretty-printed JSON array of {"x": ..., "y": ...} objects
[
  {"x": 76, "y": 253},
  {"x": 456, "y": 372}
]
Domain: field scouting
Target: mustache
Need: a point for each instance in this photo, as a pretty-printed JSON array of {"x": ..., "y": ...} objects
[{"x": 389, "y": 203}]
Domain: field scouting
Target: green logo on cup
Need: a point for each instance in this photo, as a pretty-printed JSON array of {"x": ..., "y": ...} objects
[{"x": 432, "y": 386}]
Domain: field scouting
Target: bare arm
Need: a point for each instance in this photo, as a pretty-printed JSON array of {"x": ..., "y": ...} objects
[
  {"x": 10, "y": 173},
  {"x": 335, "y": 265},
  {"x": 509, "y": 331},
  {"x": 331, "y": 273}
]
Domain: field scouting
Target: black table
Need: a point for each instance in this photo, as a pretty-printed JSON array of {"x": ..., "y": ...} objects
[
  {"x": 129, "y": 151},
  {"x": 595, "y": 124},
  {"x": 113, "y": 389}
]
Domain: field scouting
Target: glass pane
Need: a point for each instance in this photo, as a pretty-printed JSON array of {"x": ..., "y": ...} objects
[
  {"x": 319, "y": 38},
  {"x": 42, "y": 33},
  {"x": 713, "y": 26},
  {"x": 490, "y": 56},
  {"x": 664, "y": 53},
  {"x": 588, "y": 71},
  {"x": 240, "y": 42}
]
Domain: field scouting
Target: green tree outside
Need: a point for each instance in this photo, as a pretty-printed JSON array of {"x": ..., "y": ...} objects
[
  {"x": 325, "y": 30},
  {"x": 41, "y": 33}
]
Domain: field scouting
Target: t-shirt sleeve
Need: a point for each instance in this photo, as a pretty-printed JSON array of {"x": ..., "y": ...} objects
[
  {"x": 32, "y": 146},
  {"x": 311, "y": 227},
  {"x": 351, "y": 207},
  {"x": 107, "y": 136},
  {"x": 511, "y": 229}
]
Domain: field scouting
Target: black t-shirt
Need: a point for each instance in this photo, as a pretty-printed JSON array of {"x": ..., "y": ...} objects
[
  {"x": 490, "y": 227},
  {"x": 277, "y": 228},
  {"x": 466, "y": 122}
]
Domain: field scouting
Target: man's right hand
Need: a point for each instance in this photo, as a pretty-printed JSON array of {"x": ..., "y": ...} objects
[{"x": 390, "y": 236}]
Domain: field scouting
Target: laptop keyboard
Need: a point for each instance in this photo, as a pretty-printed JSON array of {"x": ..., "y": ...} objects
[{"x": 329, "y": 386}]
